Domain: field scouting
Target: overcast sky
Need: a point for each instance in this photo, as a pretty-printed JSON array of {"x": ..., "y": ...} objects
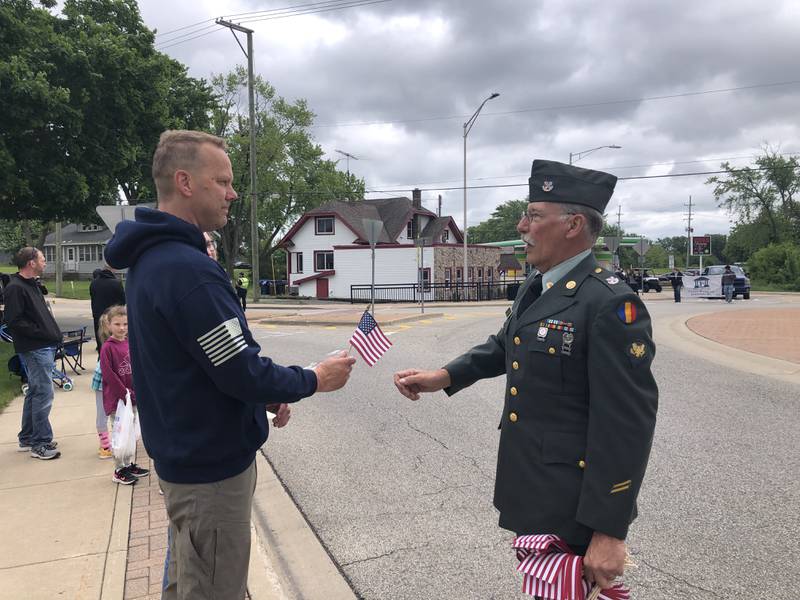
[{"x": 393, "y": 82}]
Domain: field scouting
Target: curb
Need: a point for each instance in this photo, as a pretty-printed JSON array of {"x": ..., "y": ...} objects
[
  {"x": 301, "y": 564},
  {"x": 116, "y": 566}
]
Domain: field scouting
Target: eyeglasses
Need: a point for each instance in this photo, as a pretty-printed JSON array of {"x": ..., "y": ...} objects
[{"x": 533, "y": 216}]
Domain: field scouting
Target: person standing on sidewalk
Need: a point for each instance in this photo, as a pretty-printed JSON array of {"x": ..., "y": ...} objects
[
  {"x": 36, "y": 335},
  {"x": 105, "y": 291},
  {"x": 728, "y": 281},
  {"x": 201, "y": 386},
  {"x": 676, "y": 278}
]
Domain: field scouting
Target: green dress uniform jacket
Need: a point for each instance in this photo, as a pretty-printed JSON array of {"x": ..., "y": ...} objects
[{"x": 580, "y": 406}]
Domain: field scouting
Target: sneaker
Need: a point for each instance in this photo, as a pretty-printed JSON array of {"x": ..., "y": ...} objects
[
  {"x": 123, "y": 477},
  {"x": 52, "y": 444},
  {"x": 45, "y": 452},
  {"x": 104, "y": 453},
  {"x": 138, "y": 471}
]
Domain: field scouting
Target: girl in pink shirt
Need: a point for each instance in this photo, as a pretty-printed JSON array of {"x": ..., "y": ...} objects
[{"x": 115, "y": 365}]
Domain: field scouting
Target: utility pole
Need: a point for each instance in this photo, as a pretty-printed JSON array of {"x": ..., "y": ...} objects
[
  {"x": 253, "y": 193},
  {"x": 689, "y": 233},
  {"x": 59, "y": 261}
]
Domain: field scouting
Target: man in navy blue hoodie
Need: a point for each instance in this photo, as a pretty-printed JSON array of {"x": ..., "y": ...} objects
[{"x": 201, "y": 386}]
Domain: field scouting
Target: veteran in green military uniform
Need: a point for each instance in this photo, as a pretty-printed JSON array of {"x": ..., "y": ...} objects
[{"x": 580, "y": 404}]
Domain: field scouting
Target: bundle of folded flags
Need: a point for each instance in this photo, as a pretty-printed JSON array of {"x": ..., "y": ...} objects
[{"x": 552, "y": 571}]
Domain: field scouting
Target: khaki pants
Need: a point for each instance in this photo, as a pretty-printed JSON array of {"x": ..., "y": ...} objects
[{"x": 209, "y": 537}]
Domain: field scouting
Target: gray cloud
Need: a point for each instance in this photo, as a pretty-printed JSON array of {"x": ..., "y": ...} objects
[{"x": 409, "y": 60}]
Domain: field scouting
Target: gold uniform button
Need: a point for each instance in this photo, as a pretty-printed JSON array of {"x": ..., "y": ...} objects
[
  {"x": 549, "y": 284},
  {"x": 581, "y": 464},
  {"x": 571, "y": 285},
  {"x": 512, "y": 417},
  {"x": 598, "y": 270},
  {"x": 551, "y": 350},
  {"x": 513, "y": 391},
  {"x": 515, "y": 365},
  {"x": 517, "y": 341}
]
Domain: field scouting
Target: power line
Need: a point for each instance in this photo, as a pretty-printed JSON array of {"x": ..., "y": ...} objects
[
  {"x": 268, "y": 15},
  {"x": 566, "y": 106},
  {"x": 615, "y": 168},
  {"x": 511, "y": 185}
]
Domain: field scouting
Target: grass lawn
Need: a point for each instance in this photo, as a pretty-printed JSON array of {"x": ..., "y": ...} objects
[
  {"x": 76, "y": 290},
  {"x": 8, "y": 269},
  {"x": 9, "y": 384}
]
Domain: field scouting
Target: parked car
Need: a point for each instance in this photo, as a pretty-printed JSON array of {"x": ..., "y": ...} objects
[
  {"x": 741, "y": 286},
  {"x": 651, "y": 282}
]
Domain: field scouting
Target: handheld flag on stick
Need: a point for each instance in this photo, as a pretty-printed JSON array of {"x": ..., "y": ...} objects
[{"x": 369, "y": 340}]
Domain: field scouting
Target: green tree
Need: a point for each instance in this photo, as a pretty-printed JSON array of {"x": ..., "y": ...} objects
[
  {"x": 765, "y": 192},
  {"x": 87, "y": 96},
  {"x": 501, "y": 226},
  {"x": 777, "y": 265},
  {"x": 292, "y": 177}
]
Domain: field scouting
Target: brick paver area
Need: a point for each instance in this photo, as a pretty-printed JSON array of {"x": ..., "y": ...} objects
[
  {"x": 773, "y": 332},
  {"x": 147, "y": 541}
]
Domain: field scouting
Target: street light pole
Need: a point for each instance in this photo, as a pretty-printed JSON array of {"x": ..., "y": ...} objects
[
  {"x": 467, "y": 127},
  {"x": 579, "y": 155},
  {"x": 253, "y": 193}
]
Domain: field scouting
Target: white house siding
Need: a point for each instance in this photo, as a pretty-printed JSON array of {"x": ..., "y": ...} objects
[
  {"x": 423, "y": 222},
  {"x": 354, "y": 267},
  {"x": 306, "y": 241}
]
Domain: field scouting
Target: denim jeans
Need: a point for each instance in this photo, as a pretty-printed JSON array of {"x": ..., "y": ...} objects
[
  {"x": 727, "y": 289},
  {"x": 36, "y": 429}
]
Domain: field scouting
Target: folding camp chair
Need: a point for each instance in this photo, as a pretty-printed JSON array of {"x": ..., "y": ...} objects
[{"x": 70, "y": 350}]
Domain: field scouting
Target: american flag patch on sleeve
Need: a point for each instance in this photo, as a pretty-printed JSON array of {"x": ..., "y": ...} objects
[{"x": 223, "y": 342}]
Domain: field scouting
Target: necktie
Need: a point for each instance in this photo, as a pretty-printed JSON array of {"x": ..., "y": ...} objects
[{"x": 534, "y": 291}]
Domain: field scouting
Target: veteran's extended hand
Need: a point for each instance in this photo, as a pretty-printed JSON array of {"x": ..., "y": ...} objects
[
  {"x": 412, "y": 382},
  {"x": 333, "y": 373}
]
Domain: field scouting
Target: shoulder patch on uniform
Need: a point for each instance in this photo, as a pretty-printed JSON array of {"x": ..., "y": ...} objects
[
  {"x": 508, "y": 312},
  {"x": 627, "y": 312},
  {"x": 612, "y": 280},
  {"x": 223, "y": 342}
]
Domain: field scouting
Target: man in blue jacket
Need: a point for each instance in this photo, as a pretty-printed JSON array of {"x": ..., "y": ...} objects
[{"x": 201, "y": 386}]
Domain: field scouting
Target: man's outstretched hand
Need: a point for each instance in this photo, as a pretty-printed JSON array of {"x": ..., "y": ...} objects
[
  {"x": 412, "y": 382},
  {"x": 333, "y": 373},
  {"x": 605, "y": 560}
]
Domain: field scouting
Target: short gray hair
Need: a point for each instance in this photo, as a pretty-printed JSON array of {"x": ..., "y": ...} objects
[
  {"x": 594, "y": 220},
  {"x": 26, "y": 255}
]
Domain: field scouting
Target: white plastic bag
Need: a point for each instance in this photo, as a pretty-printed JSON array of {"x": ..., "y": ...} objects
[{"x": 123, "y": 435}]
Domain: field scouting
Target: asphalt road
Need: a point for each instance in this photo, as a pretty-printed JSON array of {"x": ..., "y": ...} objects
[{"x": 400, "y": 492}]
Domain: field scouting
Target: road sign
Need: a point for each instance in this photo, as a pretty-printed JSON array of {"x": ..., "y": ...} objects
[
  {"x": 671, "y": 261},
  {"x": 113, "y": 215},
  {"x": 701, "y": 245},
  {"x": 612, "y": 243},
  {"x": 641, "y": 247}
]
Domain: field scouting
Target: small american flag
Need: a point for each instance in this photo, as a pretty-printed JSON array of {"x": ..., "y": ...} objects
[{"x": 369, "y": 340}]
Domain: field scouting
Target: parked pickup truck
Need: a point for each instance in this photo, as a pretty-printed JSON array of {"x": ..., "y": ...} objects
[{"x": 741, "y": 287}]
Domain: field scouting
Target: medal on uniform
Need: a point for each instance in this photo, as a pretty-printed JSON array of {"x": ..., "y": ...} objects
[
  {"x": 566, "y": 343},
  {"x": 541, "y": 335}
]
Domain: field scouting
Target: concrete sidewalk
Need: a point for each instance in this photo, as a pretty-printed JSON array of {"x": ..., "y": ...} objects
[{"x": 64, "y": 530}]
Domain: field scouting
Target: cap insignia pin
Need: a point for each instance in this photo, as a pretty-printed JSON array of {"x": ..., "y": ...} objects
[{"x": 547, "y": 186}]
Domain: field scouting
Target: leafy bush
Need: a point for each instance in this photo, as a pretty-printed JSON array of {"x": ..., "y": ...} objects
[{"x": 777, "y": 264}]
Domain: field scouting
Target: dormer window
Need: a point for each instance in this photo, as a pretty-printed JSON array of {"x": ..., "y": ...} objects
[
  {"x": 323, "y": 225},
  {"x": 91, "y": 227},
  {"x": 445, "y": 236},
  {"x": 412, "y": 228}
]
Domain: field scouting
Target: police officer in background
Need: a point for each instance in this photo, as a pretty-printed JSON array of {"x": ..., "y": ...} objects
[{"x": 580, "y": 398}]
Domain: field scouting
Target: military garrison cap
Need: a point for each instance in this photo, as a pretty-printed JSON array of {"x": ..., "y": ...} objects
[{"x": 552, "y": 181}]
